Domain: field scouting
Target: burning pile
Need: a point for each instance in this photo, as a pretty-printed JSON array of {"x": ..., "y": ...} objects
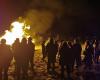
[{"x": 17, "y": 31}]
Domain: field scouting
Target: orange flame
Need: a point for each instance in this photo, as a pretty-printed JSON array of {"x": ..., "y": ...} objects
[{"x": 17, "y": 31}]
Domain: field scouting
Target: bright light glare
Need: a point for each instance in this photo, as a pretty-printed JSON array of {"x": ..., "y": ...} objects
[
  {"x": 16, "y": 32},
  {"x": 27, "y": 27},
  {"x": 33, "y": 40}
]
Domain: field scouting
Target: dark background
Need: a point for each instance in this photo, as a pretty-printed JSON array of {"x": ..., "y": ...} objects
[{"x": 79, "y": 17}]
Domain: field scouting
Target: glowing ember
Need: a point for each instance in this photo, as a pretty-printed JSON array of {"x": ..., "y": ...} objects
[
  {"x": 28, "y": 27},
  {"x": 17, "y": 31}
]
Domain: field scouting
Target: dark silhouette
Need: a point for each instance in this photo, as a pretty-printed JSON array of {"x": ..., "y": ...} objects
[
  {"x": 89, "y": 76},
  {"x": 51, "y": 50},
  {"x": 77, "y": 52},
  {"x": 16, "y": 47},
  {"x": 43, "y": 50},
  {"x": 97, "y": 51},
  {"x": 71, "y": 55},
  {"x": 56, "y": 47},
  {"x": 89, "y": 51},
  {"x": 31, "y": 51},
  {"x": 66, "y": 59},
  {"x": 5, "y": 58},
  {"x": 24, "y": 55}
]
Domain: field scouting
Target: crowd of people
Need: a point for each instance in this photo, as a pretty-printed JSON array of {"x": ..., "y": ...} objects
[
  {"x": 22, "y": 52},
  {"x": 70, "y": 55},
  {"x": 68, "y": 52}
]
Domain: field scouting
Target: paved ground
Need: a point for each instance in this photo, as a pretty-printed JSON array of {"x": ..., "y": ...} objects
[{"x": 41, "y": 72}]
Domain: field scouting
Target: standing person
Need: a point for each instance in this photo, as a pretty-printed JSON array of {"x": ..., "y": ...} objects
[
  {"x": 5, "y": 58},
  {"x": 24, "y": 57},
  {"x": 77, "y": 52},
  {"x": 89, "y": 51},
  {"x": 50, "y": 49},
  {"x": 66, "y": 60},
  {"x": 71, "y": 55},
  {"x": 31, "y": 51},
  {"x": 43, "y": 50},
  {"x": 16, "y": 47},
  {"x": 97, "y": 51},
  {"x": 56, "y": 46}
]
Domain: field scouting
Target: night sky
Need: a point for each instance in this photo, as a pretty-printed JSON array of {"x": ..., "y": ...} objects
[{"x": 72, "y": 17}]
